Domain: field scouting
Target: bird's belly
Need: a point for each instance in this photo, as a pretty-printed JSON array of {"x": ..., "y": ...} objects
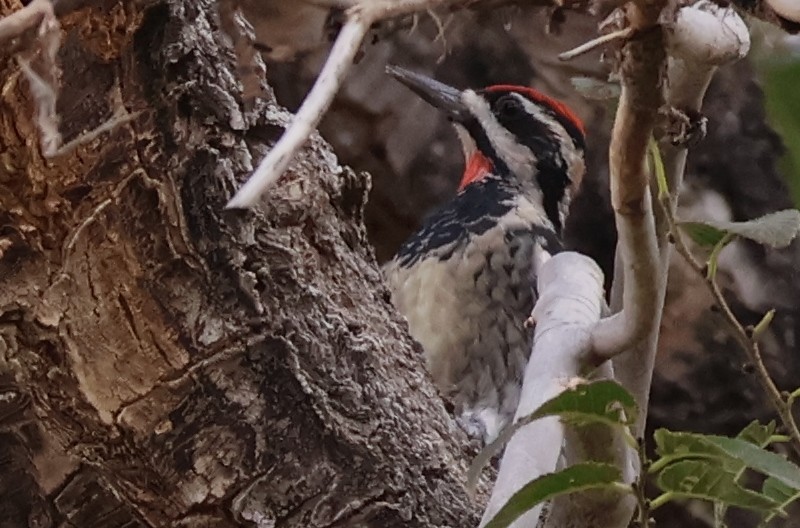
[{"x": 469, "y": 314}]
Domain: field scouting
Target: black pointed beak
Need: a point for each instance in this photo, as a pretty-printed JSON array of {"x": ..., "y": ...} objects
[{"x": 439, "y": 95}]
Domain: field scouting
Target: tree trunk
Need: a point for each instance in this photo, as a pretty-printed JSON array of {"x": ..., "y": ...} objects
[
  {"x": 166, "y": 363},
  {"x": 375, "y": 124}
]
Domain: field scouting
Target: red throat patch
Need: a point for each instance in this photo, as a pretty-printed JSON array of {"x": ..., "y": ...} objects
[{"x": 478, "y": 166}]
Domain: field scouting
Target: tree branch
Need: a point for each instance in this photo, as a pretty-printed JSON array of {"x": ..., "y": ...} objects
[
  {"x": 747, "y": 340},
  {"x": 569, "y": 305},
  {"x": 641, "y": 70},
  {"x": 699, "y": 39},
  {"x": 360, "y": 17},
  {"x": 29, "y": 17}
]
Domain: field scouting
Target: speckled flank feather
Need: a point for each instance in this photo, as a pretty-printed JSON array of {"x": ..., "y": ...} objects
[{"x": 471, "y": 291}]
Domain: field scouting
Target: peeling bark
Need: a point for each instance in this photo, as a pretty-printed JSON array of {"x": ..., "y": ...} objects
[{"x": 176, "y": 365}]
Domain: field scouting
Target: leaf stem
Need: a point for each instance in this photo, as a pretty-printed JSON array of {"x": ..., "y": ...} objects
[{"x": 661, "y": 500}]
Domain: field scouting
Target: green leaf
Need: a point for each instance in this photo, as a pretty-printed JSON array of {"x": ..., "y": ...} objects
[
  {"x": 729, "y": 453},
  {"x": 658, "y": 168},
  {"x": 702, "y": 479},
  {"x": 758, "y": 434},
  {"x": 603, "y": 401},
  {"x": 776, "y": 230},
  {"x": 763, "y": 461},
  {"x": 674, "y": 446},
  {"x": 702, "y": 234},
  {"x": 779, "y": 492},
  {"x": 580, "y": 477}
]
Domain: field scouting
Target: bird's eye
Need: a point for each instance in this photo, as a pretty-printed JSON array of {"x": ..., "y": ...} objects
[{"x": 509, "y": 107}]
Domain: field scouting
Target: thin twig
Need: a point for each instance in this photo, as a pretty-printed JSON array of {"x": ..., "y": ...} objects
[
  {"x": 308, "y": 117},
  {"x": 748, "y": 342},
  {"x": 27, "y": 18},
  {"x": 360, "y": 17},
  {"x": 120, "y": 117},
  {"x": 640, "y": 490},
  {"x": 586, "y": 47}
]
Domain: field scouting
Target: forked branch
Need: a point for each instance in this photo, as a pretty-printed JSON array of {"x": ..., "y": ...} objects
[
  {"x": 699, "y": 38},
  {"x": 641, "y": 71}
]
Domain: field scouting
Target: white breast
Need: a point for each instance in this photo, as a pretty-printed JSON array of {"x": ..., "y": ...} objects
[{"x": 468, "y": 313}]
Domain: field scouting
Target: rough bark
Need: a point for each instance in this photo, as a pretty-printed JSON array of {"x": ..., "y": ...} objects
[
  {"x": 163, "y": 363},
  {"x": 700, "y": 381}
]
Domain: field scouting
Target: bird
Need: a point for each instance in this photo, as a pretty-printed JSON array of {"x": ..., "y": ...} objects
[{"x": 466, "y": 280}]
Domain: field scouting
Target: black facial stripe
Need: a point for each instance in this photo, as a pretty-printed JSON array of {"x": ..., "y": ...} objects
[
  {"x": 574, "y": 132},
  {"x": 553, "y": 184},
  {"x": 483, "y": 144},
  {"x": 552, "y": 170}
]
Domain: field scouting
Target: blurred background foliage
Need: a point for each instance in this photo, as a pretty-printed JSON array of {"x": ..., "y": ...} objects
[{"x": 777, "y": 58}]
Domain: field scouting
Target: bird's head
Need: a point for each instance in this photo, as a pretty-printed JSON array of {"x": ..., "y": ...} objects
[{"x": 514, "y": 132}]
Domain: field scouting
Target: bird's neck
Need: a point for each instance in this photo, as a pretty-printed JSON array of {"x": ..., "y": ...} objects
[
  {"x": 546, "y": 187},
  {"x": 478, "y": 166}
]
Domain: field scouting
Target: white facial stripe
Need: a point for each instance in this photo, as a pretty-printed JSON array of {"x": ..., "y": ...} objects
[
  {"x": 518, "y": 157},
  {"x": 555, "y": 127},
  {"x": 467, "y": 143},
  {"x": 569, "y": 153}
]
